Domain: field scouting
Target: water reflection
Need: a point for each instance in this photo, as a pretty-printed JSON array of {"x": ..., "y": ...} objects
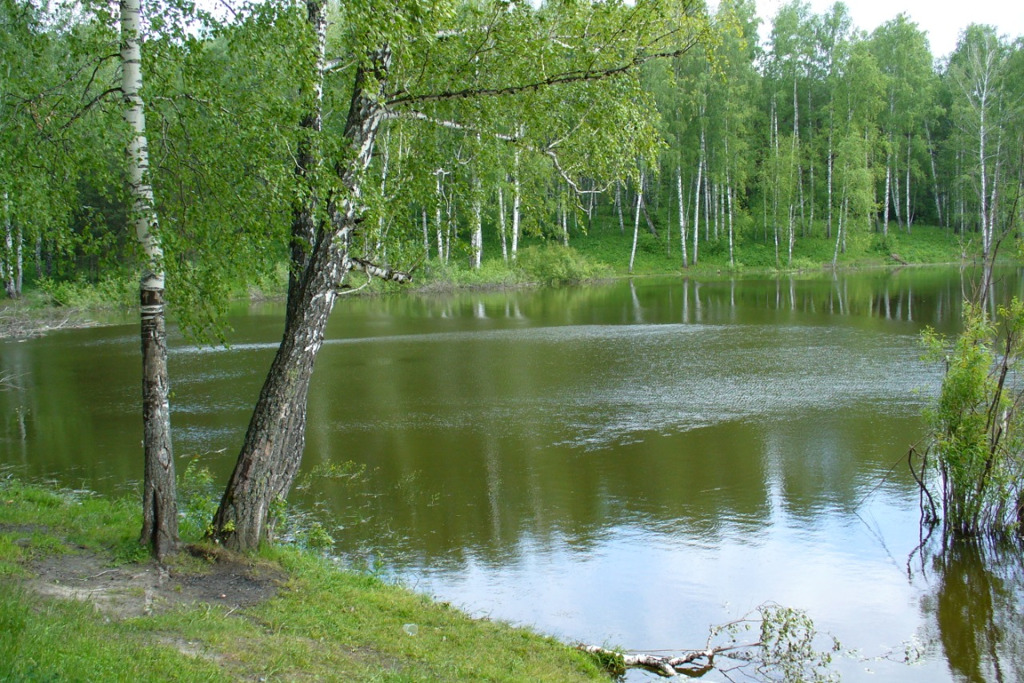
[
  {"x": 623, "y": 463},
  {"x": 974, "y": 608}
]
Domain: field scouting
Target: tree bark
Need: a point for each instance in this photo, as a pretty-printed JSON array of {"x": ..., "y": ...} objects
[
  {"x": 682, "y": 213},
  {"x": 275, "y": 439},
  {"x": 516, "y": 207},
  {"x": 159, "y": 500},
  {"x": 636, "y": 221}
]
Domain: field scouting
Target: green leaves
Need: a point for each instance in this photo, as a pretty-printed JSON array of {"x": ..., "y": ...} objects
[{"x": 977, "y": 431}]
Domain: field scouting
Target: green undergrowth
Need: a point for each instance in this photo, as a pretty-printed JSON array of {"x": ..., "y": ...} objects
[
  {"x": 321, "y": 623},
  {"x": 603, "y": 252}
]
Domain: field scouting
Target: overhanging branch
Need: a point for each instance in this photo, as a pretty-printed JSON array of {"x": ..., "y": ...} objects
[{"x": 574, "y": 76}]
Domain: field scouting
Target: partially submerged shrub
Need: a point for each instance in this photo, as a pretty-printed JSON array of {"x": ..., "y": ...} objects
[{"x": 972, "y": 469}]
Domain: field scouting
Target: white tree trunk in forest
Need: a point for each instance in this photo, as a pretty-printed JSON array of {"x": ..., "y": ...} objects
[
  {"x": 792, "y": 234},
  {"x": 501, "y": 223},
  {"x": 476, "y": 227},
  {"x": 563, "y": 205},
  {"x": 438, "y": 225},
  {"x": 636, "y": 221},
  {"x": 729, "y": 214},
  {"x": 426, "y": 234},
  {"x": 799, "y": 180},
  {"x": 682, "y": 213},
  {"x": 516, "y": 204},
  {"x": 906, "y": 211},
  {"x": 159, "y": 503},
  {"x": 810, "y": 144},
  {"x": 776, "y": 177},
  {"x": 935, "y": 175},
  {"x": 618, "y": 207},
  {"x": 885, "y": 202},
  {"x": 831, "y": 164},
  {"x": 696, "y": 203},
  {"x": 896, "y": 192},
  {"x": 12, "y": 263}
]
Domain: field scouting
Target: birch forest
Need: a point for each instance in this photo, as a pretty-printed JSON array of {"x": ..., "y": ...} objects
[{"x": 737, "y": 147}]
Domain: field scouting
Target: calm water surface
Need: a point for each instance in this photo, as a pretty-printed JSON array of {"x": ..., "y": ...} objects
[{"x": 624, "y": 464}]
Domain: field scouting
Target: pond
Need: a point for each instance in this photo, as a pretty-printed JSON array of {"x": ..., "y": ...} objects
[{"x": 624, "y": 463}]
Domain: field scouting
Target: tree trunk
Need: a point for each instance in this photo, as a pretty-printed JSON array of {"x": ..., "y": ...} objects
[
  {"x": 501, "y": 223},
  {"x": 935, "y": 177},
  {"x": 885, "y": 203},
  {"x": 636, "y": 221},
  {"x": 516, "y": 205},
  {"x": 696, "y": 200},
  {"x": 11, "y": 262},
  {"x": 159, "y": 500},
  {"x": 477, "y": 223},
  {"x": 682, "y": 213},
  {"x": 831, "y": 163},
  {"x": 272, "y": 450},
  {"x": 618, "y": 207}
]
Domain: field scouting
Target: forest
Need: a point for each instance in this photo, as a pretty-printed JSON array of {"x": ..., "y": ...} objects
[
  {"x": 823, "y": 130},
  {"x": 207, "y": 147}
]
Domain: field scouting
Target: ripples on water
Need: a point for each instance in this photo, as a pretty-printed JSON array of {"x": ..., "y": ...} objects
[{"x": 619, "y": 465}]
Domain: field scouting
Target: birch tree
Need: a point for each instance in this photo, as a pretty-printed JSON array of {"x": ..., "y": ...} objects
[
  {"x": 977, "y": 68},
  {"x": 159, "y": 501},
  {"x": 391, "y": 50}
]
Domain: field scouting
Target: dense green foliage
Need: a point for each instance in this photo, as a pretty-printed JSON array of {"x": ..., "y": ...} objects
[
  {"x": 973, "y": 469},
  {"x": 824, "y": 133}
]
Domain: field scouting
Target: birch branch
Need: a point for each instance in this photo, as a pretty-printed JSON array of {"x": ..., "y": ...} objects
[
  {"x": 373, "y": 270},
  {"x": 575, "y": 76},
  {"x": 547, "y": 150},
  {"x": 664, "y": 665}
]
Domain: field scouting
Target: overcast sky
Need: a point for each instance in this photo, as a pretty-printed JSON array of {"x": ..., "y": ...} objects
[{"x": 942, "y": 20}]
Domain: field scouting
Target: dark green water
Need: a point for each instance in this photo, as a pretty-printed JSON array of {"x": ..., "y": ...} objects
[{"x": 623, "y": 463}]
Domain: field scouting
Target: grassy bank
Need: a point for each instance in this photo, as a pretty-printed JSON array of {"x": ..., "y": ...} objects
[
  {"x": 602, "y": 253},
  {"x": 79, "y": 601}
]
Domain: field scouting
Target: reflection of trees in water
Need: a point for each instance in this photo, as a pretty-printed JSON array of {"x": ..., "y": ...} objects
[{"x": 976, "y": 608}]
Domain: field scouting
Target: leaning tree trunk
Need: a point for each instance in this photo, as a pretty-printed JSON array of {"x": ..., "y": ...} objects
[
  {"x": 272, "y": 450},
  {"x": 159, "y": 502}
]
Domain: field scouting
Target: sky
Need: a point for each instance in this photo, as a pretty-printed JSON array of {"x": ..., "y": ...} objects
[{"x": 942, "y": 20}]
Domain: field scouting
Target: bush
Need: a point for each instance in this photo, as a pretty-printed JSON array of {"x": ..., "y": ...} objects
[
  {"x": 113, "y": 291},
  {"x": 973, "y": 468},
  {"x": 554, "y": 264}
]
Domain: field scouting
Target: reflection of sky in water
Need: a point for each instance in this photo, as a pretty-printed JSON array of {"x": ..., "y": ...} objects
[
  {"x": 611, "y": 465},
  {"x": 652, "y": 583},
  {"x": 649, "y": 590}
]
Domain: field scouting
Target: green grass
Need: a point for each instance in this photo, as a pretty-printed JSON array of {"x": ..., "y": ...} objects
[
  {"x": 323, "y": 623},
  {"x": 605, "y": 252}
]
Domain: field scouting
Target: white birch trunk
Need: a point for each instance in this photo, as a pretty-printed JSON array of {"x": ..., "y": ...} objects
[
  {"x": 696, "y": 211},
  {"x": 831, "y": 164},
  {"x": 636, "y": 222},
  {"x": 438, "y": 225},
  {"x": 618, "y": 208},
  {"x": 160, "y": 511},
  {"x": 906, "y": 211},
  {"x": 885, "y": 203},
  {"x": 477, "y": 236},
  {"x": 426, "y": 234},
  {"x": 935, "y": 175},
  {"x": 501, "y": 223},
  {"x": 516, "y": 204},
  {"x": 682, "y": 213}
]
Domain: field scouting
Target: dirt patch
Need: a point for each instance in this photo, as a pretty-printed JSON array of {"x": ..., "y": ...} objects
[{"x": 135, "y": 590}]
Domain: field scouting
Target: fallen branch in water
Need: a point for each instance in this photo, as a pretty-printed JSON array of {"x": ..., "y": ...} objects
[
  {"x": 666, "y": 666},
  {"x": 16, "y": 323},
  {"x": 785, "y": 650}
]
